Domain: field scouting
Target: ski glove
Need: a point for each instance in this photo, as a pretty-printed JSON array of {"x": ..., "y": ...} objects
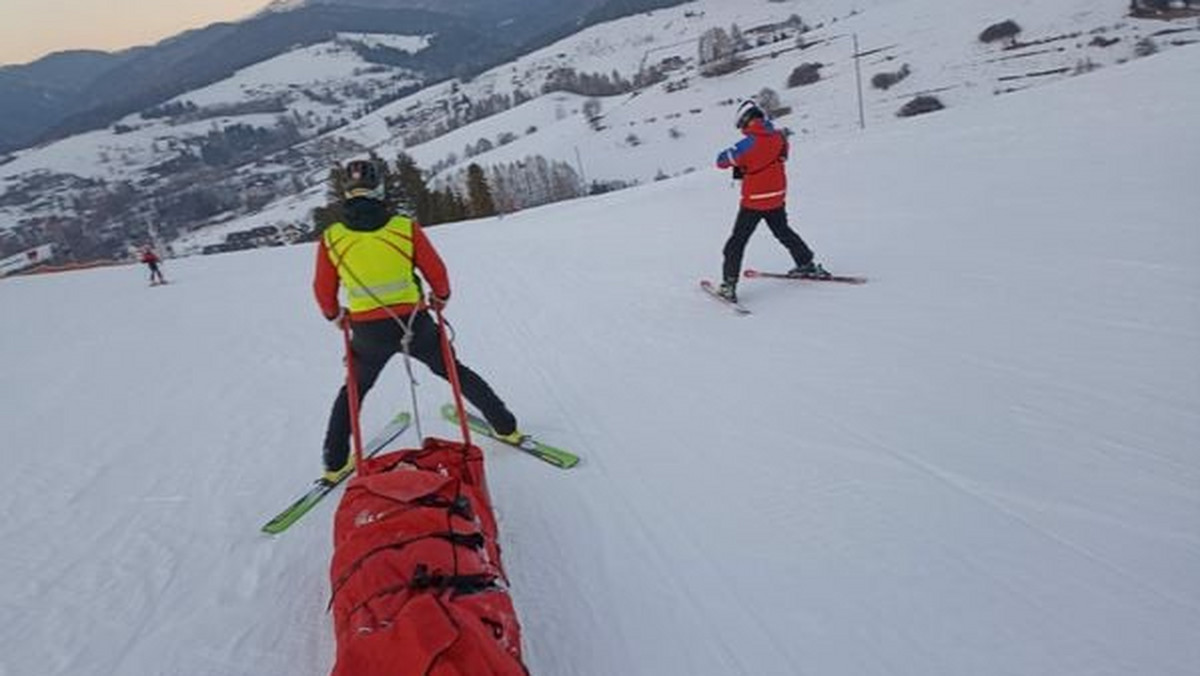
[{"x": 339, "y": 320}]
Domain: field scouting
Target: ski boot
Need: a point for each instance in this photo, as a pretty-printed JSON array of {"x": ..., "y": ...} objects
[
  {"x": 514, "y": 438},
  {"x": 811, "y": 270},
  {"x": 728, "y": 291},
  {"x": 332, "y": 477}
]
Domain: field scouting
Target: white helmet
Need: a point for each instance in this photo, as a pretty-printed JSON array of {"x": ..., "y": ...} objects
[{"x": 747, "y": 111}]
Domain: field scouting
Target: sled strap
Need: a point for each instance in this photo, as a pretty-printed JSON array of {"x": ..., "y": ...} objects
[
  {"x": 452, "y": 376},
  {"x": 352, "y": 393}
]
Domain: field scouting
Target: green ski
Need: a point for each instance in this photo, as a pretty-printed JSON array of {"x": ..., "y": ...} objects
[
  {"x": 555, "y": 456},
  {"x": 320, "y": 489}
]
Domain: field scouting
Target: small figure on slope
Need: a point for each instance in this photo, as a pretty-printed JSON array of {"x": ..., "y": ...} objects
[
  {"x": 375, "y": 255},
  {"x": 152, "y": 260},
  {"x": 758, "y": 162}
]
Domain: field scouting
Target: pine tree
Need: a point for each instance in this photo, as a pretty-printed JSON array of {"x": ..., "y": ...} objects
[
  {"x": 394, "y": 194},
  {"x": 332, "y": 212},
  {"x": 479, "y": 194},
  {"x": 456, "y": 206},
  {"x": 411, "y": 189}
]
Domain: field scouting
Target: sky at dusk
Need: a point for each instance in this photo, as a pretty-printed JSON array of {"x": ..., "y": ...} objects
[{"x": 30, "y": 29}]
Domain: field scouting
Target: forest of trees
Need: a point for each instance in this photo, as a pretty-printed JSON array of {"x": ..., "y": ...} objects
[
  {"x": 474, "y": 192},
  {"x": 599, "y": 84},
  {"x": 719, "y": 49},
  {"x": 456, "y": 113}
]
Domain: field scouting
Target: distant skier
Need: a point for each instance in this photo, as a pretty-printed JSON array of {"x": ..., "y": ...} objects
[
  {"x": 152, "y": 260},
  {"x": 375, "y": 255},
  {"x": 757, "y": 161}
]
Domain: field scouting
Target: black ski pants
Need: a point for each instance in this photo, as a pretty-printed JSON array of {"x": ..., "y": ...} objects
[
  {"x": 155, "y": 273},
  {"x": 743, "y": 227},
  {"x": 373, "y": 343}
]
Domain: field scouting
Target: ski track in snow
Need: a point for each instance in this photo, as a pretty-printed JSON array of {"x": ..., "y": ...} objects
[{"x": 980, "y": 462}]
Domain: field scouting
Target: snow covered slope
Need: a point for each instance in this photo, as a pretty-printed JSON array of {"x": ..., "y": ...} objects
[
  {"x": 678, "y": 122},
  {"x": 981, "y": 462}
]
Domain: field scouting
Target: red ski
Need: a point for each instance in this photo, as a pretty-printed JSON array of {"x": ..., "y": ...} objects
[{"x": 844, "y": 279}]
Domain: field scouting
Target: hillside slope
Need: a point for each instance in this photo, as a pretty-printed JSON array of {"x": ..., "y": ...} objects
[{"x": 981, "y": 462}]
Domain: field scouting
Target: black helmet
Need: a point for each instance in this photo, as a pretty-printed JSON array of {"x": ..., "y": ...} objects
[
  {"x": 749, "y": 110},
  {"x": 363, "y": 179}
]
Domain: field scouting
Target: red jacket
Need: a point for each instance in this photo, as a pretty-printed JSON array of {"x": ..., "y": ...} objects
[
  {"x": 149, "y": 256},
  {"x": 425, "y": 259},
  {"x": 760, "y": 156}
]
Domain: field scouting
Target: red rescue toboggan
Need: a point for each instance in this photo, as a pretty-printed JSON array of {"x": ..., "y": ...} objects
[{"x": 418, "y": 587}]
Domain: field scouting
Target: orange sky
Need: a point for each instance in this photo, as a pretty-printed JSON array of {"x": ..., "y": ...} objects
[{"x": 30, "y": 29}]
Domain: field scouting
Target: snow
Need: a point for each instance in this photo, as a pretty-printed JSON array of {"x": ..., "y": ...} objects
[
  {"x": 676, "y": 129},
  {"x": 981, "y": 462},
  {"x": 410, "y": 44},
  {"x": 328, "y": 65}
]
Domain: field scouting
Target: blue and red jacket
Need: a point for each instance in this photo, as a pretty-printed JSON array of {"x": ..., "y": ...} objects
[{"x": 760, "y": 156}]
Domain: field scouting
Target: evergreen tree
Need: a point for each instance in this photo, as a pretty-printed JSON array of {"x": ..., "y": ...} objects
[
  {"x": 395, "y": 195},
  {"x": 332, "y": 212},
  {"x": 479, "y": 195},
  {"x": 456, "y": 206},
  {"x": 446, "y": 206},
  {"x": 411, "y": 190}
]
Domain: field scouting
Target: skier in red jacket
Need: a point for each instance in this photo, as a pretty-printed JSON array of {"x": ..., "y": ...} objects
[
  {"x": 151, "y": 260},
  {"x": 757, "y": 161},
  {"x": 375, "y": 256}
]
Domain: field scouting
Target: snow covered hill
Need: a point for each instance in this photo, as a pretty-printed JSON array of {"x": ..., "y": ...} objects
[
  {"x": 675, "y": 127},
  {"x": 981, "y": 462},
  {"x": 260, "y": 144}
]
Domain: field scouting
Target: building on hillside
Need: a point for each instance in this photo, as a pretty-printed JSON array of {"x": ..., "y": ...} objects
[{"x": 39, "y": 255}]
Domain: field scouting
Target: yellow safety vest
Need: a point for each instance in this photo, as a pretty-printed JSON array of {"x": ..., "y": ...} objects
[{"x": 376, "y": 267}]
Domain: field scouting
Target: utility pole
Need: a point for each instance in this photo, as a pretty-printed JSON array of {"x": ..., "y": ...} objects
[
  {"x": 579, "y": 163},
  {"x": 862, "y": 121}
]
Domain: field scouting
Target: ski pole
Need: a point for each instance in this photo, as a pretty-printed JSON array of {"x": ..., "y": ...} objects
[
  {"x": 452, "y": 376},
  {"x": 352, "y": 393}
]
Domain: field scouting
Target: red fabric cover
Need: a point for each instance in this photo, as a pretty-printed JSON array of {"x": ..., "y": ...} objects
[
  {"x": 438, "y": 635},
  {"x": 373, "y": 500},
  {"x": 411, "y": 519}
]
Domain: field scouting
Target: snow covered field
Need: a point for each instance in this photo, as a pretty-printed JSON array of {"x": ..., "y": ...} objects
[{"x": 982, "y": 462}]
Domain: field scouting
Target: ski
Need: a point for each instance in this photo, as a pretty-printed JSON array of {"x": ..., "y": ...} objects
[
  {"x": 844, "y": 279},
  {"x": 320, "y": 489},
  {"x": 712, "y": 291},
  {"x": 555, "y": 456}
]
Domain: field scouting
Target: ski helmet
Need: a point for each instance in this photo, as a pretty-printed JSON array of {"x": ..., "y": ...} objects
[
  {"x": 749, "y": 110},
  {"x": 363, "y": 179}
]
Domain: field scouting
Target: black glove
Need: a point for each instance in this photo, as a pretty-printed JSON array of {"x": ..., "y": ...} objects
[
  {"x": 738, "y": 173},
  {"x": 341, "y": 318}
]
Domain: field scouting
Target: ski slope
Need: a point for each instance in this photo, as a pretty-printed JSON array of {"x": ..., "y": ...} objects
[{"x": 982, "y": 462}]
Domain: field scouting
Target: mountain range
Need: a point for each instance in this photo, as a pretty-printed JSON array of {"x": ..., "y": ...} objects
[{"x": 75, "y": 91}]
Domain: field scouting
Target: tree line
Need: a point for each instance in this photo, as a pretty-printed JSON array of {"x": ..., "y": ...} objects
[{"x": 474, "y": 192}]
